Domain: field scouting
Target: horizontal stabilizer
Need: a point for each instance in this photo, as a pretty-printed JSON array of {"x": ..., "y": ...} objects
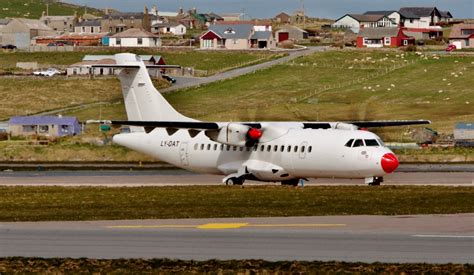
[{"x": 387, "y": 123}]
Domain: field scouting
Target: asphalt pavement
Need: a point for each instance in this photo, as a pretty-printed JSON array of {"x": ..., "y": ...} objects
[{"x": 407, "y": 239}]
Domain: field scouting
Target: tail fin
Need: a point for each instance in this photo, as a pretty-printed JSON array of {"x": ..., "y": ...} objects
[{"x": 142, "y": 101}]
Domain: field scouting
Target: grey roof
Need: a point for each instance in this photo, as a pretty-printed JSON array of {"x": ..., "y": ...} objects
[
  {"x": 88, "y": 23},
  {"x": 241, "y": 31},
  {"x": 416, "y": 12},
  {"x": 43, "y": 120},
  {"x": 261, "y": 35},
  {"x": 385, "y": 13},
  {"x": 446, "y": 14},
  {"x": 375, "y": 33},
  {"x": 126, "y": 15},
  {"x": 367, "y": 17}
]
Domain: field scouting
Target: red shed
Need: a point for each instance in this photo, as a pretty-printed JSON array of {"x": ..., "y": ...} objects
[{"x": 383, "y": 37}]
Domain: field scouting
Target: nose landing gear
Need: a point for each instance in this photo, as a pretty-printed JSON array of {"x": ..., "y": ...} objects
[{"x": 374, "y": 181}]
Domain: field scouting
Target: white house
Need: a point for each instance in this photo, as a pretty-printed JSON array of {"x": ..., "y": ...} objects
[
  {"x": 391, "y": 14},
  {"x": 420, "y": 17},
  {"x": 357, "y": 21},
  {"x": 135, "y": 37},
  {"x": 172, "y": 28}
]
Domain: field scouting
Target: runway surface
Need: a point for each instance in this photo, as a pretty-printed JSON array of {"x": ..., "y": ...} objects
[
  {"x": 166, "y": 177},
  {"x": 408, "y": 239}
]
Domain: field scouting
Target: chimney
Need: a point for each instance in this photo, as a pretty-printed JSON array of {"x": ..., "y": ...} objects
[
  {"x": 194, "y": 10},
  {"x": 181, "y": 10}
]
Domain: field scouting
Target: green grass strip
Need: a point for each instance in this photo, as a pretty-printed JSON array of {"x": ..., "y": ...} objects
[
  {"x": 93, "y": 203},
  {"x": 164, "y": 266}
]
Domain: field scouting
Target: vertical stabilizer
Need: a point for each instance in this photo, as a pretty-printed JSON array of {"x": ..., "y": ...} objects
[{"x": 142, "y": 101}]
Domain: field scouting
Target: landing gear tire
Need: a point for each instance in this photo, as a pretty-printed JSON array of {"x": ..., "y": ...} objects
[
  {"x": 234, "y": 181},
  {"x": 376, "y": 182},
  {"x": 292, "y": 182}
]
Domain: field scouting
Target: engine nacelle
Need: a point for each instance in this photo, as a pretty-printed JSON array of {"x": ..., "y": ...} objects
[{"x": 232, "y": 134}]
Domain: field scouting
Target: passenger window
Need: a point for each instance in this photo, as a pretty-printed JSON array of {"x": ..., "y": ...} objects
[
  {"x": 302, "y": 149},
  {"x": 196, "y": 146},
  {"x": 241, "y": 149},
  {"x": 310, "y": 148},
  {"x": 358, "y": 143},
  {"x": 349, "y": 143},
  {"x": 215, "y": 147},
  {"x": 275, "y": 148},
  {"x": 228, "y": 148},
  {"x": 289, "y": 148},
  {"x": 202, "y": 147},
  {"x": 222, "y": 147},
  {"x": 255, "y": 148},
  {"x": 282, "y": 148},
  {"x": 371, "y": 142},
  {"x": 234, "y": 148},
  {"x": 262, "y": 148},
  {"x": 208, "y": 147},
  {"x": 296, "y": 149},
  {"x": 247, "y": 149},
  {"x": 269, "y": 148}
]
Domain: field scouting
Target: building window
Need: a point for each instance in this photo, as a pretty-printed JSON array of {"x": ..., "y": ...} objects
[
  {"x": 387, "y": 40},
  {"x": 405, "y": 42},
  {"x": 140, "y": 41},
  {"x": 118, "y": 41}
]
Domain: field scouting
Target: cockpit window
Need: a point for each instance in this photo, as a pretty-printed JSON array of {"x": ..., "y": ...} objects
[
  {"x": 381, "y": 142},
  {"x": 358, "y": 143},
  {"x": 349, "y": 143},
  {"x": 371, "y": 142}
]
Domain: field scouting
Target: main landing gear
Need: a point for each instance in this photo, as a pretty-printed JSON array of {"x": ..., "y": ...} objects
[
  {"x": 235, "y": 181},
  {"x": 374, "y": 181},
  {"x": 292, "y": 182}
]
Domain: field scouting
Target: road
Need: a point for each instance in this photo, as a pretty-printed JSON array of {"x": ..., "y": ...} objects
[
  {"x": 408, "y": 239},
  {"x": 168, "y": 177},
  {"x": 186, "y": 82}
]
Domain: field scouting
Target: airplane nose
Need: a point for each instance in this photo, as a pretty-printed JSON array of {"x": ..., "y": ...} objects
[{"x": 389, "y": 163}]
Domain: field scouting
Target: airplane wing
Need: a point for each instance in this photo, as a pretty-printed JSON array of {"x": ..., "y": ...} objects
[{"x": 387, "y": 123}]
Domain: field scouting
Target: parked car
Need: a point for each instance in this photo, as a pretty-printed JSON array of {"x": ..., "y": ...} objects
[
  {"x": 49, "y": 72},
  {"x": 169, "y": 78},
  {"x": 450, "y": 48},
  {"x": 9, "y": 47}
]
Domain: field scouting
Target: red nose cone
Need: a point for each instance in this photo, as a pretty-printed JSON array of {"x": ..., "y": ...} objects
[
  {"x": 389, "y": 163},
  {"x": 254, "y": 133}
]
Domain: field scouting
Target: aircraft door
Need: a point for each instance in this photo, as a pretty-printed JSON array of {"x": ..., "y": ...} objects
[
  {"x": 183, "y": 153},
  {"x": 303, "y": 149}
]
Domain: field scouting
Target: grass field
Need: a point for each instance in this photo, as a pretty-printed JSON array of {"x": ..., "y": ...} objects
[
  {"x": 210, "y": 61},
  {"x": 89, "y": 203},
  {"x": 165, "y": 266},
  {"x": 34, "y": 8}
]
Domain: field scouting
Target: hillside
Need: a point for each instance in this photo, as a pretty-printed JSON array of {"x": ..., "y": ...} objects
[{"x": 34, "y": 8}]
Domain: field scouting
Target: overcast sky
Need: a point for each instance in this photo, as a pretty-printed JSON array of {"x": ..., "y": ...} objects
[{"x": 268, "y": 8}]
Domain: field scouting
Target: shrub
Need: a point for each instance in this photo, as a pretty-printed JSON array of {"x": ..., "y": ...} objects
[
  {"x": 410, "y": 48},
  {"x": 288, "y": 44}
]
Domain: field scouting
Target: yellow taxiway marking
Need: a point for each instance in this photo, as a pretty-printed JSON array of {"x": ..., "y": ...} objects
[
  {"x": 225, "y": 225},
  {"x": 221, "y": 225}
]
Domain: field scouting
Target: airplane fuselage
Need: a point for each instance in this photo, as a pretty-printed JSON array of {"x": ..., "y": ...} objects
[{"x": 298, "y": 153}]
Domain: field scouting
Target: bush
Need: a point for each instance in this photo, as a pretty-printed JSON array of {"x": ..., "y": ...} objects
[
  {"x": 410, "y": 48},
  {"x": 288, "y": 44}
]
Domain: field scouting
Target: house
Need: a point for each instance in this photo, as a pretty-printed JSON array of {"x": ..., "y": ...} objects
[
  {"x": 169, "y": 28},
  {"x": 60, "y": 23},
  {"x": 236, "y": 37},
  {"x": 232, "y": 16},
  {"x": 290, "y": 33},
  {"x": 462, "y": 35},
  {"x": 119, "y": 22},
  {"x": 464, "y": 134},
  {"x": 52, "y": 126},
  {"x": 419, "y": 17},
  {"x": 355, "y": 22},
  {"x": 446, "y": 16},
  {"x": 258, "y": 25},
  {"x": 135, "y": 38},
  {"x": 383, "y": 37},
  {"x": 88, "y": 26},
  {"x": 393, "y": 15},
  {"x": 20, "y": 31},
  {"x": 282, "y": 18},
  {"x": 84, "y": 68}
]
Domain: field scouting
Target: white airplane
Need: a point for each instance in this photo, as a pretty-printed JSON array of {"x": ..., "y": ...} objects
[{"x": 285, "y": 152}]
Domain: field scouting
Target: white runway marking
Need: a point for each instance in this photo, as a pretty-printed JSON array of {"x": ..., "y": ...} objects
[{"x": 443, "y": 236}]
